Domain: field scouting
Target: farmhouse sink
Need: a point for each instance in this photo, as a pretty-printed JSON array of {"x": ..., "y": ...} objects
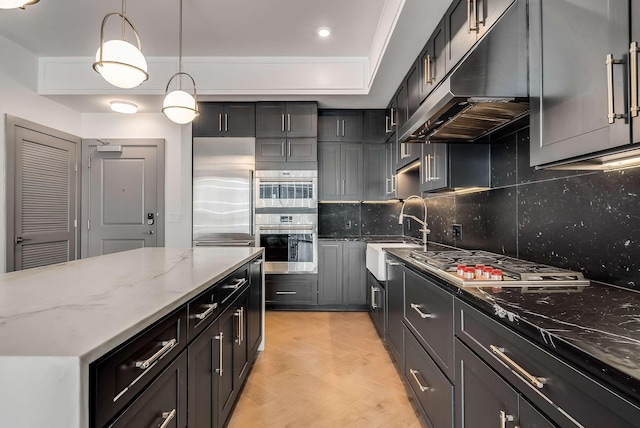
[{"x": 375, "y": 257}]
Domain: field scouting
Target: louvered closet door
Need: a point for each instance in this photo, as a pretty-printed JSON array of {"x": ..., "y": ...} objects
[{"x": 45, "y": 199}]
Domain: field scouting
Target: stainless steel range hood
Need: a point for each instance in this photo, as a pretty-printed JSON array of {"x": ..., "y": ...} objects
[{"x": 487, "y": 90}]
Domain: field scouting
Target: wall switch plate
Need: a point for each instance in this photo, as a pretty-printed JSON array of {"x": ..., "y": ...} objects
[{"x": 456, "y": 231}]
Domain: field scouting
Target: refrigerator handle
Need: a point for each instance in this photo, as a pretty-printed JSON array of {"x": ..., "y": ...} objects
[{"x": 252, "y": 214}]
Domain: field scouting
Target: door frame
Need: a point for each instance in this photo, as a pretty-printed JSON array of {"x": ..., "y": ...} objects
[
  {"x": 11, "y": 123},
  {"x": 87, "y": 143}
]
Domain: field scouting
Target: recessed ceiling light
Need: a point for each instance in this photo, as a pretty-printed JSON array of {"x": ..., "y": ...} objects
[
  {"x": 124, "y": 107},
  {"x": 324, "y": 32}
]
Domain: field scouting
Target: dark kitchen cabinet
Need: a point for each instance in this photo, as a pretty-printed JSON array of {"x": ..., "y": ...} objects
[
  {"x": 390, "y": 183},
  {"x": 163, "y": 403},
  {"x": 340, "y": 125},
  {"x": 225, "y": 120},
  {"x": 286, "y": 119},
  {"x": 402, "y": 102},
  {"x": 374, "y": 130},
  {"x": 377, "y": 298},
  {"x": 227, "y": 384},
  {"x": 634, "y": 52},
  {"x": 432, "y": 62},
  {"x": 341, "y": 171},
  {"x": 395, "y": 309},
  {"x": 407, "y": 154},
  {"x": 375, "y": 172},
  {"x": 390, "y": 118},
  {"x": 286, "y": 150},
  {"x": 204, "y": 377},
  {"x": 341, "y": 273},
  {"x": 575, "y": 104},
  {"x": 240, "y": 343},
  {"x": 413, "y": 89},
  {"x": 449, "y": 166},
  {"x": 286, "y": 291},
  {"x": 254, "y": 310}
]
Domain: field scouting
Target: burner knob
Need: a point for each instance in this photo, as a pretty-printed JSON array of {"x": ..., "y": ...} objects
[{"x": 496, "y": 275}]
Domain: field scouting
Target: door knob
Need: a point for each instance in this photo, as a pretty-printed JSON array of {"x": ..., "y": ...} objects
[
  {"x": 20, "y": 239},
  {"x": 151, "y": 232}
]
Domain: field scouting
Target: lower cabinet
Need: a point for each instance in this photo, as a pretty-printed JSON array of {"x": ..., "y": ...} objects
[
  {"x": 377, "y": 302},
  {"x": 395, "y": 308},
  {"x": 342, "y": 273},
  {"x": 291, "y": 290}
]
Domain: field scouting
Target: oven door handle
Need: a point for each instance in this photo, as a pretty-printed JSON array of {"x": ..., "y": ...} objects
[{"x": 294, "y": 228}]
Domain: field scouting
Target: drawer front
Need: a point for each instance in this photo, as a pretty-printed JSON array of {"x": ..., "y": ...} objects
[
  {"x": 163, "y": 403},
  {"x": 202, "y": 311},
  {"x": 563, "y": 393},
  {"x": 291, "y": 291},
  {"x": 122, "y": 374},
  {"x": 429, "y": 312},
  {"x": 230, "y": 287},
  {"x": 430, "y": 387}
]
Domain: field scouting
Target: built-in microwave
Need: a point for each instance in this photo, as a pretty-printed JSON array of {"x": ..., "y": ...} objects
[{"x": 286, "y": 189}]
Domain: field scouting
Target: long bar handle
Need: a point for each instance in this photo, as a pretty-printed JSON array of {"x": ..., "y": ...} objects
[
  {"x": 423, "y": 388},
  {"x": 166, "y": 347},
  {"x": 504, "y": 418},
  {"x": 394, "y": 183},
  {"x": 288, "y": 122},
  {"x": 289, "y": 149},
  {"x": 210, "y": 308},
  {"x": 282, "y": 149},
  {"x": 535, "y": 381},
  {"x": 243, "y": 319},
  {"x": 220, "y": 122},
  {"x": 343, "y": 127},
  {"x": 612, "y": 116},
  {"x": 239, "y": 283},
  {"x": 422, "y": 314},
  {"x": 386, "y": 124},
  {"x": 337, "y": 128},
  {"x": 374, "y": 290},
  {"x": 168, "y": 417},
  {"x": 219, "y": 338},
  {"x": 238, "y": 314},
  {"x": 427, "y": 70},
  {"x": 390, "y": 263},
  {"x": 282, "y": 122},
  {"x": 473, "y": 27},
  {"x": 633, "y": 53},
  {"x": 286, "y": 293},
  {"x": 393, "y": 113},
  {"x": 226, "y": 122}
]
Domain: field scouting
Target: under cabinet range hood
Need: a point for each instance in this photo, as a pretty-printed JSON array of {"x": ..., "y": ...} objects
[{"x": 486, "y": 91}]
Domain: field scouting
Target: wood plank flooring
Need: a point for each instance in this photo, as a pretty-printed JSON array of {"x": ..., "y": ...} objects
[{"x": 323, "y": 369}]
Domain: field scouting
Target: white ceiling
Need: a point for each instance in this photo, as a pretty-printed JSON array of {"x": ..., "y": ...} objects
[{"x": 236, "y": 28}]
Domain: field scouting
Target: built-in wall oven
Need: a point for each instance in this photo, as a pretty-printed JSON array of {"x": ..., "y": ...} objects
[
  {"x": 286, "y": 189},
  {"x": 290, "y": 242}
]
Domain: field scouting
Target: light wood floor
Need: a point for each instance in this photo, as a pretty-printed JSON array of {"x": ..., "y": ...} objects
[{"x": 323, "y": 369}]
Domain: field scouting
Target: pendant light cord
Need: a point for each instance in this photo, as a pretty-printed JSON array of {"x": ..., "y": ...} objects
[
  {"x": 180, "y": 50},
  {"x": 124, "y": 13}
]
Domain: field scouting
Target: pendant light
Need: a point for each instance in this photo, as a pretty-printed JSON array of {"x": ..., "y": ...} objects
[
  {"x": 180, "y": 106},
  {"x": 118, "y": 61},
  {"x": 14, "y": 4}
]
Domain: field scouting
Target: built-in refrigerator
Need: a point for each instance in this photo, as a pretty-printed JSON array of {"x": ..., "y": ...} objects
[{"x": 223, "y": 211}]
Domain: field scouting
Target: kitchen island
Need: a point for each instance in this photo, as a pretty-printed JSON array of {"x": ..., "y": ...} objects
[{"x": 56, "y": 321}]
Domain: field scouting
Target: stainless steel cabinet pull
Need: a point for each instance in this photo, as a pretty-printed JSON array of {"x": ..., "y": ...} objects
[
  {"x": 168, "y": 417},
  {"x": 633, "y": 54},
  {"x": 282, "y": 148},
  {"x": 390, "y": 263},
  {"x": 226, "y": 122},
  {"x": 422, "y": 314},
  {"x": 423, "y": 388},
  {"x": 210, "y": 308},
  {"x": 286, "y": 293},
  {"x": 612, "y": 116},
  {"x": 504, "y": 418},
  {"x": 289, "y": 149},
  {"x": 386, "y": 124},
  {"x": 337, "y": 128},
  {"x": 282, "y": 122},
  {"x": 374, "y": 290},
  {"x": 220, "y": 122},
  {"x": 427, "y": 70},
  {"x": 343, "y": 127},
  {"x": 393, "y": 114},
  {"x": 387, "y": 185},
  {"x": 243, "y": 319},
  {"x": 238, "y": 315},
  {"x": 433, "y": 170},
  {"x": 535, "y": 381},
  {"x": 343, "y": 187},
  {"x": 474, "y": 26},
  {"x": 219, "y": 338},
  {"x": 288, "y": 122},
  {"x": 338, "y": 187},
  {"x": 394, "y": 183},
  {"x": 166, "y": 347}
]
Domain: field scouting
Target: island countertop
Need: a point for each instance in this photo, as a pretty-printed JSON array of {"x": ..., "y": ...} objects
[{"x": 56, "y": 320}]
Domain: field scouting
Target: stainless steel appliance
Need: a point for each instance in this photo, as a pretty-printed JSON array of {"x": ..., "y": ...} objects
[
  {"x": 286, "y": 189},
  {"x": 290, "y": 242},
  {"x": 515, "y": 272},
  {"x": 223, "y": 191}
]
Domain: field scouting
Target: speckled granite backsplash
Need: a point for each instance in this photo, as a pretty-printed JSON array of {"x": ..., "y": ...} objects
[{"x": 580, "y": 220}]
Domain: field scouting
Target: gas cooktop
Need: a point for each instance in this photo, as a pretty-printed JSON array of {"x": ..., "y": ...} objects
[{"x": 487, "y": 269}]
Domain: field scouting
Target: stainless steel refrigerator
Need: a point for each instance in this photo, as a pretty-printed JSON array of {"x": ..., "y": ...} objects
[{"x": 223, "y": 212}]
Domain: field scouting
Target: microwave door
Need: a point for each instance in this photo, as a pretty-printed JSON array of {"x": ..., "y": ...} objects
[{"x": 222, "y": 205}]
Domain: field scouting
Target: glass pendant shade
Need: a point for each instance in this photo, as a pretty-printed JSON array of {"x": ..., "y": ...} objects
[
  {"x": 14, "y": 4},
  {"x": 180, "y": 107},
  {"x": 122, "y": 65}
]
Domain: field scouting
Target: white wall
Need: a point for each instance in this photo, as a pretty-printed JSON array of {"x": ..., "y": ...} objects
[
  {"x": 18, "y": 80},
  {"x": 177, "y": 161}
]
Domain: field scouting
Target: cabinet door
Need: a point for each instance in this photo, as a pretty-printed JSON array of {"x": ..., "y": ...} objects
[
  {"x": 375, "y": 172},
  {"x": 390, "y": 171},
  {"x": 439, "y": 170},
  {"x": 461, "y": 30},
  {"x": 164, "y": 399},
  {"x": 529, "y": 417},
  {"x": 329, "y": 273},
  {"x": 329, "y": 125},
  {"x": 240, "y": 343},
  {"x": 351, "y": 124},
  {"x": 432, "y": 62},
  {"x": 425, "y": 165},
  {"x": 271, "y": 119},
  {"x": 302, "y": 119},
  {"x": 254, "y": 311},
  {"x": 271, "y": 149},
  {"x": 635, "y": 37},
  {"x": 403, "y": 105},
  {"x": 373, "y": 130},
  {"x": 482, "y": 397},
  {"x": 569, "y": 98},
  {"x": 489, "y": 11},
  {"x": 352, "y": 172},
  {"x": 354, "y": 273},
  {"x": 395, "y": 308},
  {"x": 239, "y": 120},
  {"x": 226, "y": 381},
  {"x": 302, "y": 150},
  {"x": 204, "y": 360},
  {"x": 390, "y": 117},
  {"x": 210, "y": 121},
  {"x": 413, "y": 89},
  {"x": 329, "y": 182}
]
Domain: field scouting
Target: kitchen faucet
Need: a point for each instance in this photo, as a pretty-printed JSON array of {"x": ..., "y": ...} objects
[{"x": 424, "y": 229}]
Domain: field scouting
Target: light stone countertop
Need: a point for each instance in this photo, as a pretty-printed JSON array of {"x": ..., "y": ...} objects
[{"x": 56, "y": 320}]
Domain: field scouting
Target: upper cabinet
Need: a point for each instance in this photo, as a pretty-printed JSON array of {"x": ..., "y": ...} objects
[
  {"x": 374, "y": 130},
  {"x": 431, "y": 63},
  {"x": 579, "y": 77},
  {"x": 225, "y": 120},
  {"x": 286, "y": 119},
  {"x": 340, "y": 125},
  {"x": 450, "y": 166}
]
